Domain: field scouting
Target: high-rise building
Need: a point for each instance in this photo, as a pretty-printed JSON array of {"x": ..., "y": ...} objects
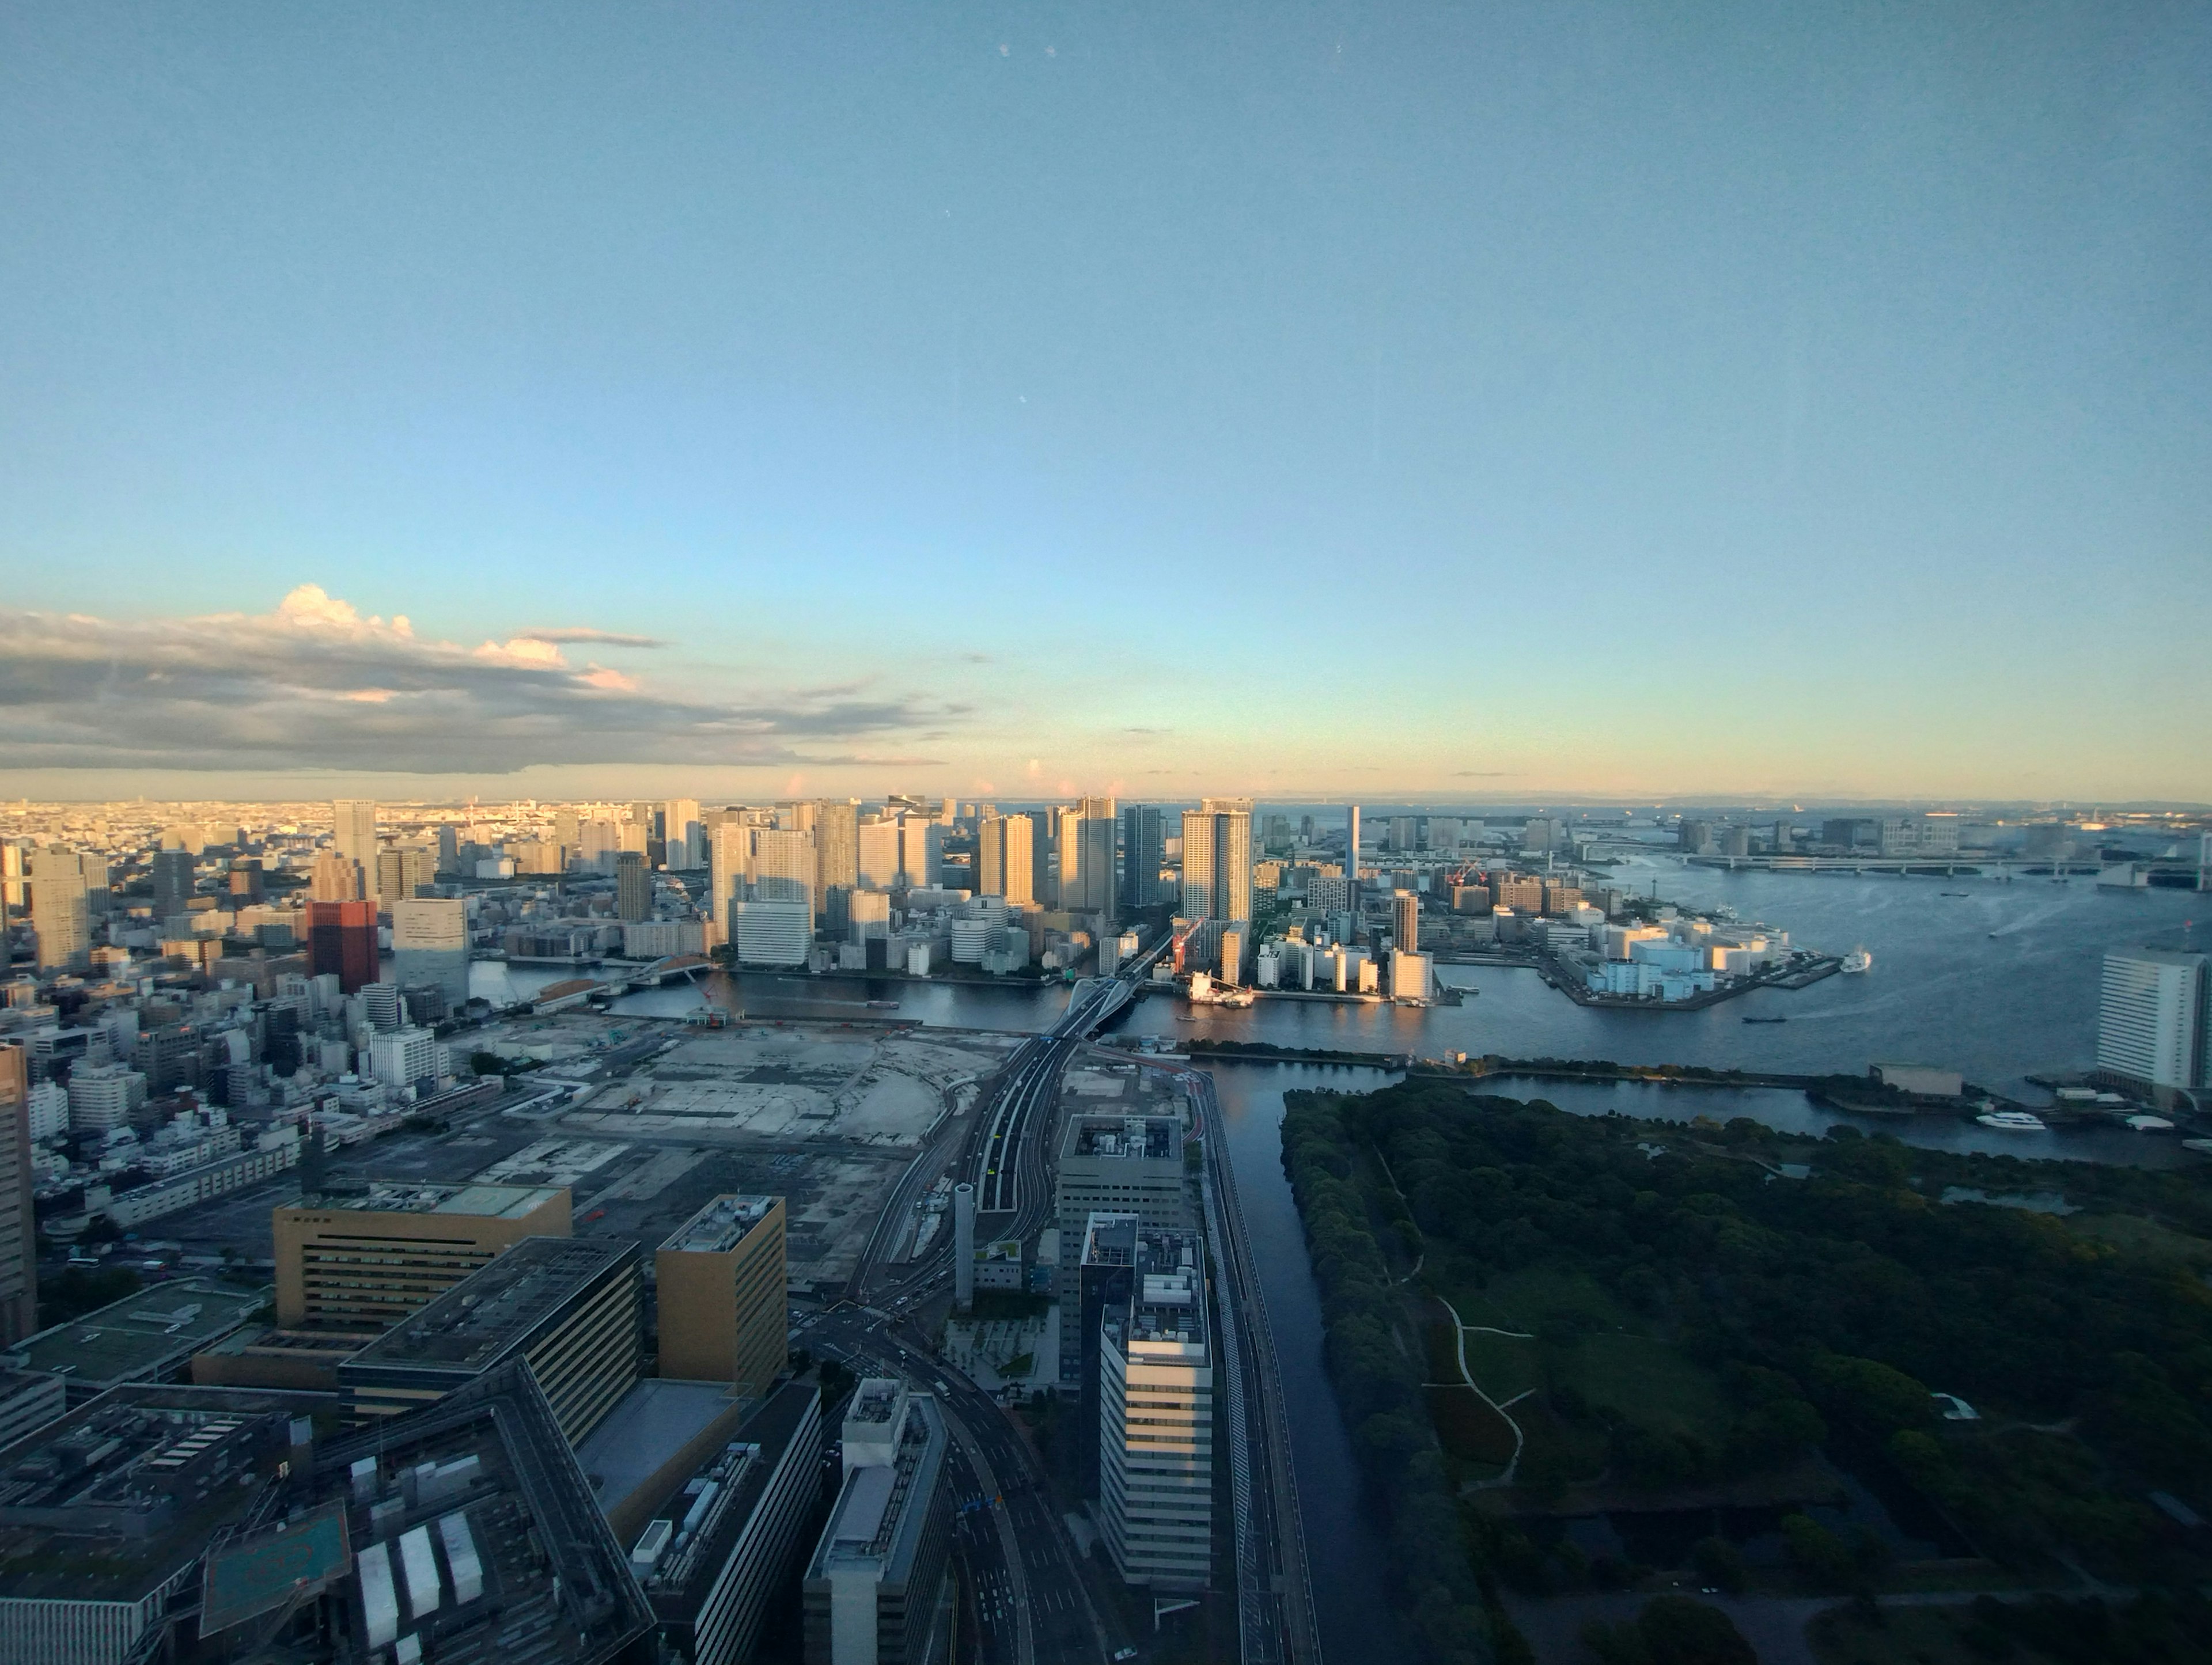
[
  {"x": 836, "y": 845},
  {"x": 403, "y": 870},
  {"x": 1155, "y": 1419},
  {"x": 633, "y": 888},
  {"x": 1129, "y": 1165},
  {"x": 1006, "y": 858},
  {"x": 787, "y": 853},
  {"x": 922, "y": 851},
  {"x": 333, "y": 879},
  {"x": 342, "y": 941},
  {"x": 353, "y": 835},
  {"x": 1351, "y": 844},
  {"x": 730, "y": 855},
  {"x": 173, "y": 884},
  {"x": 720, "y": 1282},
  {"x": 879, "y": 853},
  {"x": 365, "y": 1260},
  {"x": 1144, "y": 848},
  {"x": 1217, "y": 862},
  {"x": 1402, "y": 832},
  {"x": 11, "y": 875},
  {"x": 1405, "y": 920},
  {"x": 19, "y": 1255},
  {"x": 2152, "y": 1021},
  {"x": 873, "y": 1587},
  {"x": 684, "y": 833},
  {"x": 61, "y": 910},
  {"x": 771, "y": 930}
]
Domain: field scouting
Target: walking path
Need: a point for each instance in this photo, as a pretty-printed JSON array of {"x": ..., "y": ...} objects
[{"x": 1459, "y": 1331}]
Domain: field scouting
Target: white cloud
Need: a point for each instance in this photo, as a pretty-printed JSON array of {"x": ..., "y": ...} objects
[{"x": 316, "y": 684}]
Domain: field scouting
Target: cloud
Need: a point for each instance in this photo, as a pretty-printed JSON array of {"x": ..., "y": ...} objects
[
  {"x": 1485, "y": 774},
  {"x": 581, "y": 633},
  {"x": 315, "y": 684}
]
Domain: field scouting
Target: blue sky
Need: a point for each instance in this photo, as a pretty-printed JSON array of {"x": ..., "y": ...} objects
[{"x": 1409, "y": 400}]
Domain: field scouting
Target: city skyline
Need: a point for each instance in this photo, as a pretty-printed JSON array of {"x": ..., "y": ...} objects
[{"x": 1613, "y": 406}]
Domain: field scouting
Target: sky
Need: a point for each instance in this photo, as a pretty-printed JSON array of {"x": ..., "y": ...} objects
[{"x": 1423, "y": 402}]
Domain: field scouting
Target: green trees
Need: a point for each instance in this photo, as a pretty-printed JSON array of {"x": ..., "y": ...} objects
[{"x": 1672, "y": 1629}]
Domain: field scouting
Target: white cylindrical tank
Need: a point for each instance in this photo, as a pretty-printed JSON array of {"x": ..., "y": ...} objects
[{"x": 964, "y": 1246}]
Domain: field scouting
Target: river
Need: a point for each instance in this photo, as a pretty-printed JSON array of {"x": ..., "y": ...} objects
[{"x": 2000, "y": 982}]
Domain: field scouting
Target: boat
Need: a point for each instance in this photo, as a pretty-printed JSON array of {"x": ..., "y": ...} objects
[
  {"x": 1766, "y": 1020},
  {"x": 2148, "y": 1124},
  {"x": 883, "y": 1006},
  {"x": 1857, "y": 962},
  {"x": 1236, "y": 997},
  {"x": 2011, "y": 1121},
  {"x": 1952, "y": 893}
]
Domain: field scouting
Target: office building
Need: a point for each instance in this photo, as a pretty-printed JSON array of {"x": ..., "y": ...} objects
[
  {"x": 724, "y": 1535},
  {"x": 571, "y": 1308},
  {"x": 1114, "y": 1165},
  {"x": 1920, "y": 835},
  {"x": 730, "y": 852},
  {"x": 407, "y": 1058},
  {"x": 1092, "y": 835},
  {"x": 61, "y": 910},
  {"x": 430, "y": 947},
  {"x": 1412, "y": 976},
  {"x": 463, "y": 1533},
  {"x": 353, "y": 838},
  {"x": 875, "y": 1591},
  {"x": 1143, "y": 850},
  {"x": 19, "y": 1253},
  {"x": 107, "y": 1511},
  {"x": 2152, "y": 1021},
  {"x": 173, "y": 883},
  {"x": 102, "y": 1097},
  {"x": 1405, "y": 920},
  {"x": 719, "y": 1278},
  {"x": 1351, "y": 845},
  {"x": 342, "y": 943},
  {"x": 333, "y": 879},
  {"x": 1006, "y": 848},
  {"x": 1155, "y": 1419},
  {"x": 147, "y": 1336},
  {"x": 365, "y": 1260},
  {"x": 403, "y": 870},
  {"x": 28, "y": 1400},
  {"x": 836, "y": 845}
]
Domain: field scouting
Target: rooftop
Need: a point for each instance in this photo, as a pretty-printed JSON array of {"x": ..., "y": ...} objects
[
  {"x": 1167, "y": 1303},
  {"x": 109, "y": 1502},
  {"x": 646, "y": 1430},
  {"x": 720, "y": 1226},
  {"x": 142, "y": 1335},
  {"x": 504, "y": 1202},
  {"x": 881, "y": 1514},
  {"x": 497, "y": 1307},
  {"x": 1152, "y": 1137}
]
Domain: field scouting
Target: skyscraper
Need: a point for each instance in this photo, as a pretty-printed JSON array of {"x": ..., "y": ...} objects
[
  {"x": 172, "y": 885},
  {"x": 837, "y": 844},
  {"x": 683, "y": 835},
  {"x": 61, "y": 912},
  {"x": 19, "y": 1259},
  {"x": 2152, "y": 1021},
  {"x": 1405, "y": 920},
  {"x": 1351, "y": 843},
  {"x": 1095, "y": 833},
  {"x": 1144, "y": 848},
  {"x": 921, "y": 851},
  {"x": 1066, "y": 887},
  {"x": 430, "y": 946},
  {"x": 1006, "y": 858},
  {"x": 633, "y": 889},
  {"x": 341, "y": 942},
  {"x": 786, "y": 856},
  {"x": 730, "y": 850},
  {"x": 334, "y": 878},
  {"x": 879, "y": 852},
  {"x": 1217, "y": 861},
  {"x": 353, "y": 835}
]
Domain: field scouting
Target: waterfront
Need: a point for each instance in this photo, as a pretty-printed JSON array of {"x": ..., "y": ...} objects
[{"x": 1944, "y": 990}]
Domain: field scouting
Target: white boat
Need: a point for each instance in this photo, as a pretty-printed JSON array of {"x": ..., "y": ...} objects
[
  {"x": 2011, "y": 1121},
  {"x": 2148, "y": 1124},
  {"x": 1857, "y": 962}
]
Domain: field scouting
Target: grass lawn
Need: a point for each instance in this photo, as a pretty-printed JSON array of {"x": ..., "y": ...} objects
[
  {"x": 2134, "y": 1234},
  {"x": 1535, "y": 1293},
  {"x": 1469, "y": 1429},
  {"x": 1505, "y": 1368},
  {"x": 1646, "y": 1379}
]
